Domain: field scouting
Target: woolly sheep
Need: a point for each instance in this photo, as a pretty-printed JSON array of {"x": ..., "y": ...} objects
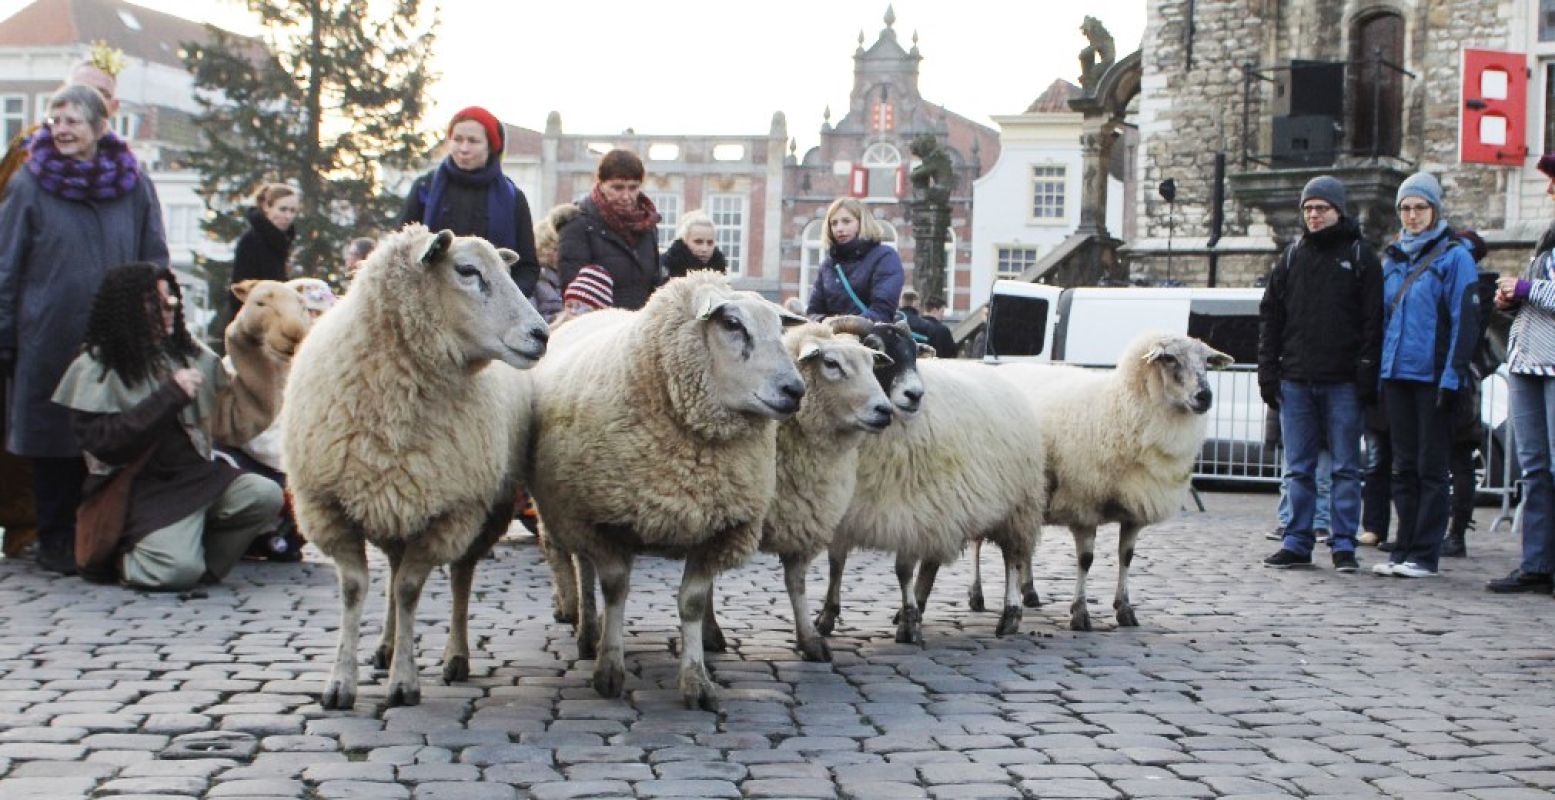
[
  {"x": 657, "y": 434},
  {"x": 959, "y": 463},
  {"x": 415, "y": 434},
  {"x": 1120, "y": 445},
  {"x": 817, "y": 462}
]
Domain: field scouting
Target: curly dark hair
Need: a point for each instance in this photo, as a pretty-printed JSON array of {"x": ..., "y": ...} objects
[{"x": 119, "y": 332}]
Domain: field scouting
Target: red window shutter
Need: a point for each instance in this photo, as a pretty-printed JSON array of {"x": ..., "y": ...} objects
[
  {"x": 1494, "y": 114},
  {"x": 901, "y": 181},
  {"x": 858, "y": 182}
]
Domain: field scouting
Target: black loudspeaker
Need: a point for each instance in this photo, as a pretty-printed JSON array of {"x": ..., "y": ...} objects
[
  {"x": 1305, "y": 141},
  {"x": 1310, "y": 89}
]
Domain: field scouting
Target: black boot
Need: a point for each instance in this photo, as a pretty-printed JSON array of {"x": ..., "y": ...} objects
[
  {"x": 1455, "y": 545},
  {"x": 57, "y": 554}
]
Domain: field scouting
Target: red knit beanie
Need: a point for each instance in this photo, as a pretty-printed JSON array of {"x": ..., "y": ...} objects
[
  {"x": 494, "y": 138},
  {"x": 592, "y": 287}
]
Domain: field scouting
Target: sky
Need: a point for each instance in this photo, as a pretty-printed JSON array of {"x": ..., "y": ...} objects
[{"x": 724, "y": 66}]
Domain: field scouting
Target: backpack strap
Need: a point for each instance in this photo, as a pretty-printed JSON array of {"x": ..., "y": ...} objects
[{"x": 1414, "y": 274}]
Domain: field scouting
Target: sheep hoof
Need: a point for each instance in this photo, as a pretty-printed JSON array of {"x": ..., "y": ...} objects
[
  {"x": 908, "y": 628},
  {"x": 588, "y": 649},
  {"x": 698, "y": 691},
  {"x": 1009, "y": 621},
  {"x": 827, "y": 619},
  {"x": 609, "y": 678},
  {"x": 457, "y": 668},
  {"x": 338, "y": 696},
  {"x": 564, "y": 616},
  {"x": 404, "y": 694},
  {"x": 1126, "y": 618},
  {"x": 815, "y": 649},
  {"x": 1031, "y": 599},
  {"x": 713, "y": 639},
  {"x": 974, "y": 599},
  {"x": 381, "y": 657}
]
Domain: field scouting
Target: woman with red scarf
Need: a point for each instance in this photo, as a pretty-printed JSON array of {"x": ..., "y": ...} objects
[
  {"x": 469, "y": 195},
  {"x": 80, "y": 206},
  {"x": 616, "y": 230}
]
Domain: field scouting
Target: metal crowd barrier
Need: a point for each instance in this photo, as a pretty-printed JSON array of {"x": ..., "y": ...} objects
[{"x": 1234, "y": 449}]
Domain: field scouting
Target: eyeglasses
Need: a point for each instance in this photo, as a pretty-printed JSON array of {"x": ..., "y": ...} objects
[
  {"x": 64, "y": 121},
  {"x": 1316, "y": 208},
  {"x": 1414, "y": 208}
]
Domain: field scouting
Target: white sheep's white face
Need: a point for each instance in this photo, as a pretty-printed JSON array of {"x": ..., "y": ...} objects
[
  {"x": 751, "y": 372},
  {"x": 1179, "y": 372},
  {"x": 839, "y": 375},
  {"x": 490, "y": 316}
]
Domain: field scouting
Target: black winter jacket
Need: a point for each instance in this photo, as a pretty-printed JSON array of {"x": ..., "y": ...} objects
[
  {"x": 260, "y": 253},
  {"x": 1321, "y": 314},
  {"x": 464, "y": 213},
  {"x": 586, "y": 240}
]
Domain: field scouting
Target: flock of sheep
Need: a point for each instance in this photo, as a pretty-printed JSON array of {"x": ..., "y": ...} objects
[{"x": 704, "y": 427}]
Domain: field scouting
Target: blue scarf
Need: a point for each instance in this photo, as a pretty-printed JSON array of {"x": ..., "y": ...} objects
[
  {"x": 501, "y": 199},
  {"x": 1410, "y": 244}
]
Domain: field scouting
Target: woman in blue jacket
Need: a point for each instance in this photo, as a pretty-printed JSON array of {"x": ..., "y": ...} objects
[
  {"x": 859, "y": 274},
  {"x": 1430, "y": 319}
]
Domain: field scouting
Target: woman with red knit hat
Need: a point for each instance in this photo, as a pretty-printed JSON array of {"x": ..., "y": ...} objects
[
  {"x": 616, "y": 231},
  {"x": 468, "y": 194}
]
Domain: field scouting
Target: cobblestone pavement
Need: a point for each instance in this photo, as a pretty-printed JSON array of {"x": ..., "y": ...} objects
[{"x": 1241, "y": 682}]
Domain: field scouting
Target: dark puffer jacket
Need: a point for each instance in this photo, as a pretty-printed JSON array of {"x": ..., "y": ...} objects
[
  {"x": 876, "y": 278},
  {"x": 260, "y": 254},
  {"x": 633, "y": 268},
  {"x": 1321, "y": 314}
]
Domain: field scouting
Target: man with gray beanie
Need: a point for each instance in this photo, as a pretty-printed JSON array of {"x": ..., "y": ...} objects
[{"x": 1319, "y": 338}]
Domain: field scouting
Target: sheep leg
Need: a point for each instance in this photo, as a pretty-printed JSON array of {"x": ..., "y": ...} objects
[
  {"x": 909, "y": 627},
  {"x": 712, "y": 636},
  {"x": 811, "y": 644},
  {"x": 404, "y": 682},
  {"x": 974, "y": 595},
  {"x": 831, "y": 609},
  {"x": 1028, "y": 586},
  {"x": 924, "y": 584},
  {"x": 615, "y": 576},
  {"x": 461, "y": 579},
  {"x": 1085, "y": 552},
  {"x": 588, "y": 615},
  {"x": 1016, "y": 553},
  {"x": 394, "y": 553},
  {"x": 1127, "y": 533},
  {"x": 564, "y": 577},
  {"x": 351, "y": 567},
  {"x": 697, "y": 690}
]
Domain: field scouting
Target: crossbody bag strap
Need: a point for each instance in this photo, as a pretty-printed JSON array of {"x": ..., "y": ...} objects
[
  {"x": 1413, "y": 275},
  {"x": 848, "y": 287}
]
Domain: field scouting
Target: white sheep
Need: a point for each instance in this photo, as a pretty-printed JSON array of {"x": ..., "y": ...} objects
[
  {"x": 656, "y": 434},
  {"x": 817, "y": 459},
  {"x": 963, "y": 460},
  {"x": 415, "y": 434},
  {"x": 1120, "y": 445}
]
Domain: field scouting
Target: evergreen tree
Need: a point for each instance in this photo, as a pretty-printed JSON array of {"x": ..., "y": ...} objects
[{"x": 331, "y": 103}]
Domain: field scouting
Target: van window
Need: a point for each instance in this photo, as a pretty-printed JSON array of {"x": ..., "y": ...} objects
[
  {"x": 1229, "y": 325},
  {"x": 1017, "y": 326}
]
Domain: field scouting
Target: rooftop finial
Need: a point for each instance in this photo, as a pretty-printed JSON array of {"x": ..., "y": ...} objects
[
  {"x": 826, "y": 115},
  {"x": 890, "y": 15}
]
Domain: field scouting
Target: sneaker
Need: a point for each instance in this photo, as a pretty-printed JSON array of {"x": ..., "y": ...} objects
[
  {"x": 1519, "y": 581},
  {"x": 1368, "y": 539},
  {"x": 1285, "y": 559},
  {"x": 1410, "y": 569},
  {"x": 1344, "y": 561},
  {"x": 1322, "y": 535},
  {"x": 1385, "y": 568},
  {"x": 1276, "y": 535}
]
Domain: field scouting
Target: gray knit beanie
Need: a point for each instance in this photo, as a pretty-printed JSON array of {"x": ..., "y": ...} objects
[
  {"x": 1424, "y": 186},
  {"x": 1328, "y": 189}
]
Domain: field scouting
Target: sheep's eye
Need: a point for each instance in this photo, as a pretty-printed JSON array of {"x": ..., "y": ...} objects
[
  {"x": 831, "y": 363},
  {"x": 730, "y": 324},
  {"x": 467, "y": 271}
]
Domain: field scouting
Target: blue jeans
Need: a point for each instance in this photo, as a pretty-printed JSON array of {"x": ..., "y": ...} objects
[
  {"x": 1533, "y": 426},
  {"x": 1422, "y": 440},
  {"x": 1313, "y": 415},
  {"x": 1321, "y": 518}
]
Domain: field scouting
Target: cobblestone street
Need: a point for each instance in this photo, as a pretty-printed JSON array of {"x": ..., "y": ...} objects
[{"x": 1241, "y": 682}]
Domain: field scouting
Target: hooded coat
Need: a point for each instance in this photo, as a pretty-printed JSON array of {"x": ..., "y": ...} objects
[{"x": 260, "y": 253}]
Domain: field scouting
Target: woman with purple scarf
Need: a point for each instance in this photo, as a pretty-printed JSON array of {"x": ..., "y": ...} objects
[
  {"x": 469, "y": 195},
  {"x": 81, "y": 206}
]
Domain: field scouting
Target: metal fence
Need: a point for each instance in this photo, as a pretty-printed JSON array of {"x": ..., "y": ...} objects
[{"x": 1234, "y": 448}]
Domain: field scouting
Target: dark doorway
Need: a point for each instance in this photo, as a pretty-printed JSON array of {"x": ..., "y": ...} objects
[{"x": 1377, "y": 104}]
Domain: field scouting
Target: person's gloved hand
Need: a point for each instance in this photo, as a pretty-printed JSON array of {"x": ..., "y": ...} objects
[
  {"x": 1270, "y": 393},
  {"x": 1446, "y": 400},
  {"x": 1366, "y": 383}
]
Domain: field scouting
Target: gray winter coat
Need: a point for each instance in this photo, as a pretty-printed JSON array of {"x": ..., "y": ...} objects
[{"x": 53, "y": 255}]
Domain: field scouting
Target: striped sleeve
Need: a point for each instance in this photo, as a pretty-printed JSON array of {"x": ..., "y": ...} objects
[{"x": 1542, "y": 295}]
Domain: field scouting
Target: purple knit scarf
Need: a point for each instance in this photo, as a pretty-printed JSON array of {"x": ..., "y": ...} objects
[{"x": 109, "y": 175}]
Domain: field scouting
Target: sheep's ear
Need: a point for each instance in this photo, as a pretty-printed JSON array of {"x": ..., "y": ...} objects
[
  {"x": 508, "y": 256},
  {"x": 925, "y": 351},
  {"x": 874, "y": 342},
  {"x": 788, "y": 318},
  {"x": 883, "y": 360},
  {"x": 903, "y": 327},
  {"x": 437, "y": 247},
  {"x": 242, "y": 288},
  {"x": 810, "y": 350},
  {"x": 1218, "y": 360},
  {"x": 707, "y": 301},
  {"x": 1159, "y": 354}
]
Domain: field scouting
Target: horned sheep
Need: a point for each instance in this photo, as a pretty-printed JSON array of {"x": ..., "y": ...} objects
[
  {"x": 415, "y": 434},
  {"x": 963, "y": 460},
  {"x": 1120, "y": 445},
  {"x": 656, "y": 433}
]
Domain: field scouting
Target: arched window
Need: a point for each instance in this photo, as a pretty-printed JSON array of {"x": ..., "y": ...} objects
[
  {"x": 882, "y": 162},
  {"x": 1377, "y": 105},
  {"x": 810, "y": 256}
]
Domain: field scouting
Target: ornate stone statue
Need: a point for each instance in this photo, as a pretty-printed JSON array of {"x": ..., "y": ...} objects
[
  {"x": 934, "y": 176},
  {"x": 932, "y": 181},
  {"x": 1097, "y": 56}
]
